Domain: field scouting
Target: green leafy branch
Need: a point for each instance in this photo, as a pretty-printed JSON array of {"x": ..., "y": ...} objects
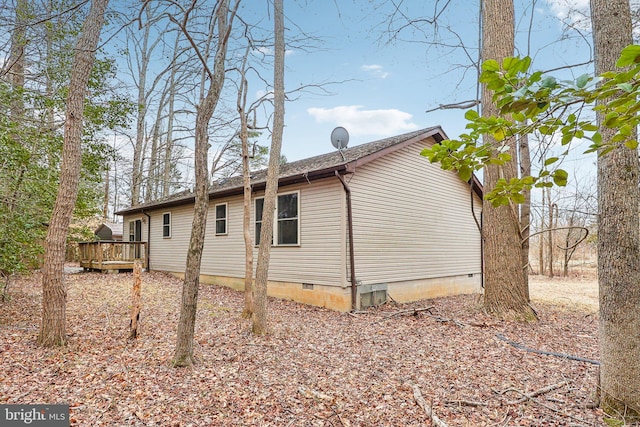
[{"x": 534, "y": 102}]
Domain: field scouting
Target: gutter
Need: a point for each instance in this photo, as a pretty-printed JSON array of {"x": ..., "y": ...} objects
[
  {"x": 148, "y": 254},
  {"x": 352, "y": 262}
]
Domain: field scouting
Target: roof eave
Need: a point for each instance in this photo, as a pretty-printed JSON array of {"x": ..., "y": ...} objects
[
  {"x": 257, "y": 186},
  {"x": 476, "y": 186}
]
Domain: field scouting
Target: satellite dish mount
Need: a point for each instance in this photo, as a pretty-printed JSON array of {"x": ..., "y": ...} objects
[{"x": 340, "y": 139}]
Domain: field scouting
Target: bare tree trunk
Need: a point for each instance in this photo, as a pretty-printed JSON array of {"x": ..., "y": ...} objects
[
  {"x": 115, "y": 184},
  {"x": 618, "y": 235},
  {"x": 15, "y": 69},
  {"x": 152, "y": 178},
  {"x": 54, "y": 292},
  {"x": 568, "y": 252},
  {"x": 139, "y": 146},
  {"x": 183, "y": 355},
  {"x": 505, "y": 284},
  {"x": 262, "y": 268},
  {"x": 105, "y": 207},
  {"x": 168, "y": 148},
  {"x": 541, "y": 237},
  {"x": 16, "y": 62},
  {"x": 552, "y": 207},
  {"x": 246, "y": 224},
  {"x": 525, "y": 208},
  {"x": 136, "y": 170},
  {"x": 247, "y": 312},
  {"x": 139, "y": 149}
]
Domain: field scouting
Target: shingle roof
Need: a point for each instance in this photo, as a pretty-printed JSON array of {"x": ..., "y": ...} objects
[{"x": 307, "y": 169}]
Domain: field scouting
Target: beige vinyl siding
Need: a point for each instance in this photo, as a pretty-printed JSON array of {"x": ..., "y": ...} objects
[
  {"x": 318, "y": 259},
  {"x": 223, "y": 255},
  {"x": 125, "y": 227},
  {"x": 170, "y": 254},
  {"x": 412, "y": 220}
]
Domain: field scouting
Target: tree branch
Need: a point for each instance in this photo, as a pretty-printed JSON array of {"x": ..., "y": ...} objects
[
  {"x": 417, "y": 395},
  {"x": 462, "y": 105},
  {"x": 547, "y": 353},
  {"x": 546, "y": 230}
]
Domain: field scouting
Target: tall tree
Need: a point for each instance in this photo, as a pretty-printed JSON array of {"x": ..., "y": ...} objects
[
  {"x": 553, "y": 107},
  {"x": 15, "y": 70},
  {"x": 271, "y": 191},
  {"x": 169, "y": 144},
  {"x": 183, "y": 355},
  {"x": 553, "y": 222},
  {"x": 16, "y": 62},
  {"x": 524, "y": 161},
  {"x": 15, "y": 165},
  {"x": 497, "y": 41},
  {"x": 34, "y": 86},
  {"x": 506, "y": 287},
  {"x": 246, "y": 181},
  {"x": 144, "y": 52},
  {"x": 618, "y": 233},
  {"x": 54, "y": 293}
]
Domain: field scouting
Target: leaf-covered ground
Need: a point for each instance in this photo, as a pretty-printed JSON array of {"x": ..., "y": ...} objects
[{"x": 316, "y": 367}]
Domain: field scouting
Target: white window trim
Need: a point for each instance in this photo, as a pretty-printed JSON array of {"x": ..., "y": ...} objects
[
  {"x": 132, "y": 227},
  {"x": 226, "y": 218},
  {"x": 255, "y": 220},
  {"x": 170, "y": 225},
  {"x": 274, "y": 240}
]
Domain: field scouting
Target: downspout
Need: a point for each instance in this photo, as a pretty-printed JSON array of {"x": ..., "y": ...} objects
[
  {"x": 352, "y": 261},
  {"x": 479, "y": 225},
  {"x": 148, "y": 239},
  {"x": 481, "y": 253}
]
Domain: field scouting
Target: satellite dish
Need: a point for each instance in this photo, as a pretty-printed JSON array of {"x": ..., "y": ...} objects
[{"x": 340, "y": 138}]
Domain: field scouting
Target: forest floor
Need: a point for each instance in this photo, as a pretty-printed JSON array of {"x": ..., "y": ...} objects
[{"x": 315, "y": 368}]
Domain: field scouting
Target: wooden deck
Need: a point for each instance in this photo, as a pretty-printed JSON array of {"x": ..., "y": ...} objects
[{"x": 112, "y": 256}]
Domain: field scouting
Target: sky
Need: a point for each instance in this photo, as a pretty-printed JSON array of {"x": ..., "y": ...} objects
[
  {"x": 382, "y": 75},
  {"x": 380, "y": 68}
]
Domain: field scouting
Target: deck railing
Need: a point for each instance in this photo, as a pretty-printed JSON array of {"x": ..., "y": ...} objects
[{"x": 102, "y": 253}]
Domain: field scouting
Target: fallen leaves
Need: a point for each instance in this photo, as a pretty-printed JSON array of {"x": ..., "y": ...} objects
[{"x": 315, "y": 368}]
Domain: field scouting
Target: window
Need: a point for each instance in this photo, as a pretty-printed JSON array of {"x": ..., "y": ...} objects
[
  {"x": 287, "y": 214},
  {"x": 286, "y": 219},
  {"x": 259, "y": 208},
  {"x": 221, "y": 219},
  {"x": 166, "y": 225},
  {"x": 135, "y": 230}
]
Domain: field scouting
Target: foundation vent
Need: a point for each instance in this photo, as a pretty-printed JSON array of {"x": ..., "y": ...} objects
[{"x": 372, "y": 295}]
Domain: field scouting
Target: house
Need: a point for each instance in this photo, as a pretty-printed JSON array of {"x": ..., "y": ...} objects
[
  {"x": 109, "y": 231},
  {"x": 351, "y": 227}
]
